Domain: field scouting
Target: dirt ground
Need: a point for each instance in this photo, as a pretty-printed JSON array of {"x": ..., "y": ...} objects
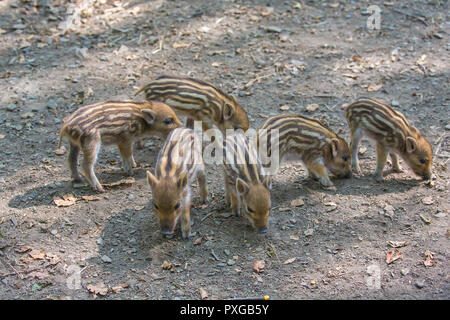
[{"x": 310, "y": 57}]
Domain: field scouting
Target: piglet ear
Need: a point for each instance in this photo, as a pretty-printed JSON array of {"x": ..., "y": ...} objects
[
  {"x": 411, "y": 144},
  {"x": 241, "y": 186},
  {"x": 182, "y": 180},
  {"x": 228, "y": 111},
  {"x": 334, "y": 147},
  {"x": 149, "y": 115},
  {"x": 151, "y": 179}
]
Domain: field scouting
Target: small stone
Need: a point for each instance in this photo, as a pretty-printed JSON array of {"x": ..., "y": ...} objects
[
  {"x": 447, "y": 127},
  {"x": 395, "y": 103},
  {"x": 419, "y": 284},
  {"x": 227, "y": 252},
  {"x": 274, "y": 29},
  {"x": 27, "y": 115},
  {"x": 309, "y": 232},
  {"x": 51, "y": 104},
  {"x": 405, "y": 271},
  {"x": 11, "y": 107},
  {"x": 100, "y": 241},
  {"x": 54, "y": 232},
  {"x": 365, "y": 12},
  {"x": 106, "y": 259},
  {"x": 231, "y": 262}
]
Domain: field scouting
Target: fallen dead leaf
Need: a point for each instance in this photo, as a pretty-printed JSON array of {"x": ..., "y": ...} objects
[
  {"x": 99, "y": 288},
  {"x": 203, "y": 293},
  {"x": 285, "y": 108},
  {"x": 362, "y": 150},
  {"x": 297, "y": 203},
  {"x": 126, "y": 182},
  {"x": 23, "y": 249},
  {"x": 90, "y": 198},
  {"x": 258, "y": 266},
  {"x": 52, "y": 258},
  {"x": 374, "y": 87},
  {"x": 66, "y": 201},
  {"x": 180, "y": 45},
  {"x": 294, "y": 237},
  {"x": 429, "y": 260},
  {"x": 120, "y": 287},
  {"x": 61, "y": 151},
  {"x": 312, "y": 107},
  {"x": 283, "y": 209},
  {"x": 37, "y": 254},
  {"x": 166, "y": 265},
  {"x": 289, "y": 261},
  {"x": 393, "y": 255},
  {"x": 197, "y": 241},
  {"x": 397, "y": 244}
]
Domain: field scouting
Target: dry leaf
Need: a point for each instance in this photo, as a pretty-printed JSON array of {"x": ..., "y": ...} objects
[
  {"x": 203, "y": 293},
  {"x": 23, "y": 249},
  {"x": 60, "y": 151},
  {"x": 393, "y": 255},
  {"x": 297, "y": 202},
  {"x": 284, "y": 209},
  {"x": 362, "y": 150},
  {"x": 52, "y": 258},
  {"x": 289, "y": 261},
  {"x": 312, "y": 107},
  {"x": 285, "y": 108},
  {"x": 37, "y": 254},
  {"x": 429, "y": 260},
  {"x": 166, "y": 265},
  {"x": 99, "y": 288},
  {"x": 90, "y": 198},
  {"x": 396, "y": 244},
  {"x": 334, "y": 5},
  {"x": 180, "y": 45},
  {"x": 294, "y": 238},
  {"x": 197, "y": 241},
  {"x": 216, "y": 64},
  {"x": 126, "y": 182},
  {"x": 374, "y": 87},
  {"x": 2, "y": 136},
  {"x": 258, "y": 266},
  {"x": 66, "y": 201},
  {"x": 119, "y": 287},
  {"x": 428, "y": 200}
]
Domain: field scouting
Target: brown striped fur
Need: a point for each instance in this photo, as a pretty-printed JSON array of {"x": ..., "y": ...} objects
[
  {"x": 393, "y": 135},
  {"x": 247, "y": 187},
  {"x": 320, "y": 149},
  {"x": 199, "y": 101},
  {"x": 112, "y": 122},
  {"x": 179, "y": 163}
]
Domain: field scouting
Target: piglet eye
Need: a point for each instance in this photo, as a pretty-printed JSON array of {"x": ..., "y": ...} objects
[
  {"x": 168, "y": 121},
  {"x": 156, "y": 206},
  {"x": 250, "y": 210},
  {"x": 344, "y": 158},
  {"x": 177, "y": 206},
  {"x": 423, "y": 161}
]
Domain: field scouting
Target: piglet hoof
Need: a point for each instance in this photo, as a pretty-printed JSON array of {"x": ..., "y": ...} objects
[
  {"x": 99, "y": 188},
  {"x": 187, "y": 236},
  {"x": 379, "y": 177}
]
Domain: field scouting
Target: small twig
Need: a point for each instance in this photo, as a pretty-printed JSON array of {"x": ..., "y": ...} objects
[
  {"x": 421, "y": 19},
  {"x": 205, "y": 217}
]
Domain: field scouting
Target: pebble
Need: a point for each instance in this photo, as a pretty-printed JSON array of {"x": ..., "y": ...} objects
[
  {"x": 231, "y": 262},
  {"x": 419, "y": 284},
  {"x": 309, "y": 232},
  {"x": 395, "y": 103},
  {"x": 106, "y": 259},
  {"x": 51, "y": 104},
  {"x": 405, "y": 271},
  {"x": 11, "y": 107},
  {"x": 100, "y": 241},
  {"x": 274, "y": 29},
  {"x": 54, "y": 232},
  {"x": 447, "y": 127}
]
